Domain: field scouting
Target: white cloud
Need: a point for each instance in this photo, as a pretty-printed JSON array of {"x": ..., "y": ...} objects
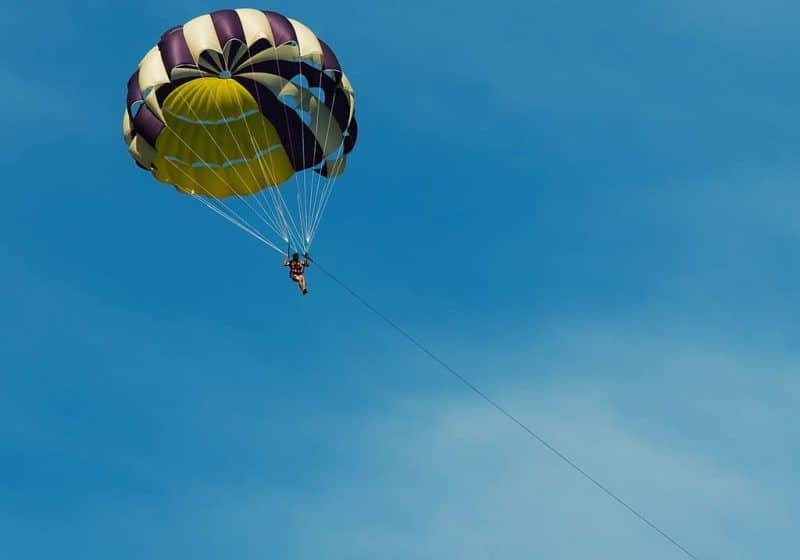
[
  {"x": 737, "y": 19},
  {"x": 448, "y": 477},
  {"x": 451, "y": 479},
  {"x": 694, "y": 429}
]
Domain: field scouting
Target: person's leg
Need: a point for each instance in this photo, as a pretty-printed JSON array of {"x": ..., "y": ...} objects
[{"x": 302, "y": 282}]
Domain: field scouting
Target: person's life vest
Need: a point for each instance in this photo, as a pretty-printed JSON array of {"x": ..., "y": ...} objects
[{"x": 295, "y": 268}]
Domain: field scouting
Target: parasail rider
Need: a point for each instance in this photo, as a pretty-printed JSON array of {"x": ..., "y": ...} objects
[{"x": 297, "y": 269}]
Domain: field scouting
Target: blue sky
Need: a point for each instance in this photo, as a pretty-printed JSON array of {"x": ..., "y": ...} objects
[{"x": 610, "y": 193}]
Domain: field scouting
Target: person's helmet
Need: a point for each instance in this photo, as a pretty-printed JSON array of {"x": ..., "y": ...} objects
[{"x": 295, "y": 256}]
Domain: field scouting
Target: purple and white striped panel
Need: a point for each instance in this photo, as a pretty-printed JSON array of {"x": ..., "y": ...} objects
[
  {"x": 134, "y": 92},
  {"x": 147, "y": 124},
  {"x": 329, "y": 60},
  {"x": 228, "y": 26},
  {"x": 282, "y": 29},
  {"x": 174, "y": 50}
]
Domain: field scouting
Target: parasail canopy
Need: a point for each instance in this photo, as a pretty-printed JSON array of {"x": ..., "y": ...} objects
[{"x": 236, "y": 107}]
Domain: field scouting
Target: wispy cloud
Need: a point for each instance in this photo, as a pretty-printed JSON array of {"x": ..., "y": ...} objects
[{"x": 448, "y": 477}]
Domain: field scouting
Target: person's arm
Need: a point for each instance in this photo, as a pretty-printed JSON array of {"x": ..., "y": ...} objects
[{"x": 306, "y": 260}]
